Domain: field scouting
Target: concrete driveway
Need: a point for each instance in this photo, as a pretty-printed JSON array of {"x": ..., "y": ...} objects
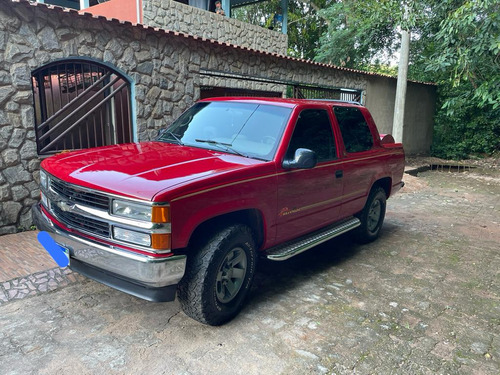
[{"x": 423, "y": 299}]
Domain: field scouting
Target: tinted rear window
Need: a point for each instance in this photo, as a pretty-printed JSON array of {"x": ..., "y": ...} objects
[{"x": 355, "y": 131}]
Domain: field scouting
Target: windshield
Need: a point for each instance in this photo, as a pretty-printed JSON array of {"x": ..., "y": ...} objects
[{"x": 247, "y": 129}]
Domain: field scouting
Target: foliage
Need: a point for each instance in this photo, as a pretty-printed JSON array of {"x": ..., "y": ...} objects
[
  {"x": 260, "y": 14},
  {"x": 471, "y": 130},
  {"x": 305, "y": 25},
  {"x": 468, "y": 47},
  {"x": 361, "y": 33},
  {"x": 455, "y": 43},
  {"x": 380, "y": 68},
  {"x": 466, "y": 60}
]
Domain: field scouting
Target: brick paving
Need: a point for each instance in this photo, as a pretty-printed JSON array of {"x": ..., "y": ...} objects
[
  {"x": 26, "y": 269},
  {"x": 422, "y": 299},
  {"x": 21, "y": 255}
]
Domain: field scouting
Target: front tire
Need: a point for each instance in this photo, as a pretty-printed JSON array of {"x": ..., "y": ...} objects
[
  {"x": 218, "y": 276},
  {"x": 372, "y": 216}
]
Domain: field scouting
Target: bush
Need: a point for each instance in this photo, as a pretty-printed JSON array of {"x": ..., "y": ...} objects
[{"x": 463, "y": 127}]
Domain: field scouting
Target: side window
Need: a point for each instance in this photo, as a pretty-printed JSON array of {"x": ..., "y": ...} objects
[
  {"x": 313, "y": 131},
  {"x": 355, "y": 131}
]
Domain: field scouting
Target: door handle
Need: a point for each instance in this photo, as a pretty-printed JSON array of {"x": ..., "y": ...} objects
[{"x": 339, "y": 174}]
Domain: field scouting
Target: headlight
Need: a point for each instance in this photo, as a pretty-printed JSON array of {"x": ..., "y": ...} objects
[
  {"x": 44, "y": 179},
  {"x": 132, "y": 236},
  {"x": 44, "y": 199},
  {"x": 131, "y": 210}
]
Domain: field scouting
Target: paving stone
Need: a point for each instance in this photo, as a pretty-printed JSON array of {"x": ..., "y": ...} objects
[
  {"x": 21, "y": 295},
  {"x": 479, "y": 348},
  {"x": 432, "y": 309},
  {"x": 52, "y": 283}
]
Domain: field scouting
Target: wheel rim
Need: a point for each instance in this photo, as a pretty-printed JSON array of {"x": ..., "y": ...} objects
[
  {"x": 374, "y": 215},
  {"x": 231, "y": 274}
]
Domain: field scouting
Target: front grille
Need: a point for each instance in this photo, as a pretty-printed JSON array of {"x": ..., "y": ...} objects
[
  {"x": 83, "y": 223},
  {"x": 76, "y": 195}
]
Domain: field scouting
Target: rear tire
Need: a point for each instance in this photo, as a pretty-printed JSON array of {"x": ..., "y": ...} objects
[
  {"x": 372, "y": 216},
  {"x": 218, "y": 276}
]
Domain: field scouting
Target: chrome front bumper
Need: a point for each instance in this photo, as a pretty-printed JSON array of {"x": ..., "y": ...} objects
[{"x": 147, "y": 277}]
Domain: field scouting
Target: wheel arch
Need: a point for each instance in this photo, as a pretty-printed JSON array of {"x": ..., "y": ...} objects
[
  {"x": 384, "y": 183},
  {"x": 253, "y": 218}
]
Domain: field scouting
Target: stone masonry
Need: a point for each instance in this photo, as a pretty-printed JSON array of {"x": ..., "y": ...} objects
[
  {"x": 166, "y": 70},
  {"x": 39, "y": 282},
  {"x": 172, "y": 15}
]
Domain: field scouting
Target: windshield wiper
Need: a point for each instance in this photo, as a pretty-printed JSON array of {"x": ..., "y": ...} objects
[
  {"x": 226, "y": 146},
  {"x": 175, "y": 136}
]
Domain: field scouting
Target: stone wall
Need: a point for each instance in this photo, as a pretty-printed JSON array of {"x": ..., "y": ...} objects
[
  {"x": 32, "y": 36},
  {"x": 167, "y": 70},
  {"x": 175, "y": 16}
]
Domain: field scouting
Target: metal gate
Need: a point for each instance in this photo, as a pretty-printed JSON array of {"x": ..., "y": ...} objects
[
  {"x": 312, "y": 92},
  {"x": 210, "y": 92},
  {"x": 296, "y": 90},
  {"x": 80, "y": 104}
]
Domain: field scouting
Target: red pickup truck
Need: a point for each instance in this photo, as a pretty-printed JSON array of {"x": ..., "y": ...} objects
[{"x": 230, "y": 180}]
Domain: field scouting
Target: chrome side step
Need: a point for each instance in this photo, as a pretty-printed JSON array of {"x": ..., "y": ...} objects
[{"x": 297, "y": 246}]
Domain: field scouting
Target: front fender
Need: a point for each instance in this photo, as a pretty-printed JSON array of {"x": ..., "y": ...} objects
[{"x": 190, "y": 211}]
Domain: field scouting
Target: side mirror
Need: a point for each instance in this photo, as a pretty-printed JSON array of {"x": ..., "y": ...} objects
[
  {"x": 386, "y": 139},
  {"x": 304, "y": 159}
]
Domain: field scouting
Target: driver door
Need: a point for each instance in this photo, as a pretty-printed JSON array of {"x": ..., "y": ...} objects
[{"x": 309, "y": 199}]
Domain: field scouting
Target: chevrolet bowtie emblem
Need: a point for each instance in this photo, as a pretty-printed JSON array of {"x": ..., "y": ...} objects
[{"x": 66, "y": 207}]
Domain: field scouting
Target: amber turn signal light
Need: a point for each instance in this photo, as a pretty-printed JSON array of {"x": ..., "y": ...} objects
[
  {"x": 160, "y": 214},
  {"x": 160, "y": 241}
]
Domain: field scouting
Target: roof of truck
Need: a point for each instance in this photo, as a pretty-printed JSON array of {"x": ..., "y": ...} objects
[{"x": 287, "y": 102}]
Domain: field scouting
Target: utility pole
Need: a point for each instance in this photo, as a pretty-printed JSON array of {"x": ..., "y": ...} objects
[{"x": 399, "y": 104}]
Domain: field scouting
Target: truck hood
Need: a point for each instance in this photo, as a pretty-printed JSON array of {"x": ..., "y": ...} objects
[{"x": 140, "y": 170}]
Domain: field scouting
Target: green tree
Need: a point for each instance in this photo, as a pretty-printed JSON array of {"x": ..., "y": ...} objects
[
  {"x": 305, "y": 24},
  {"x": 466, "y": 62},
  {"x": 464, "y": 128},
  {"x": 468, "y": 51},
  {"x": 362, "y": 33},
  {"x": 455, "y": 43},
  {"x": 260, "y": 14}
]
